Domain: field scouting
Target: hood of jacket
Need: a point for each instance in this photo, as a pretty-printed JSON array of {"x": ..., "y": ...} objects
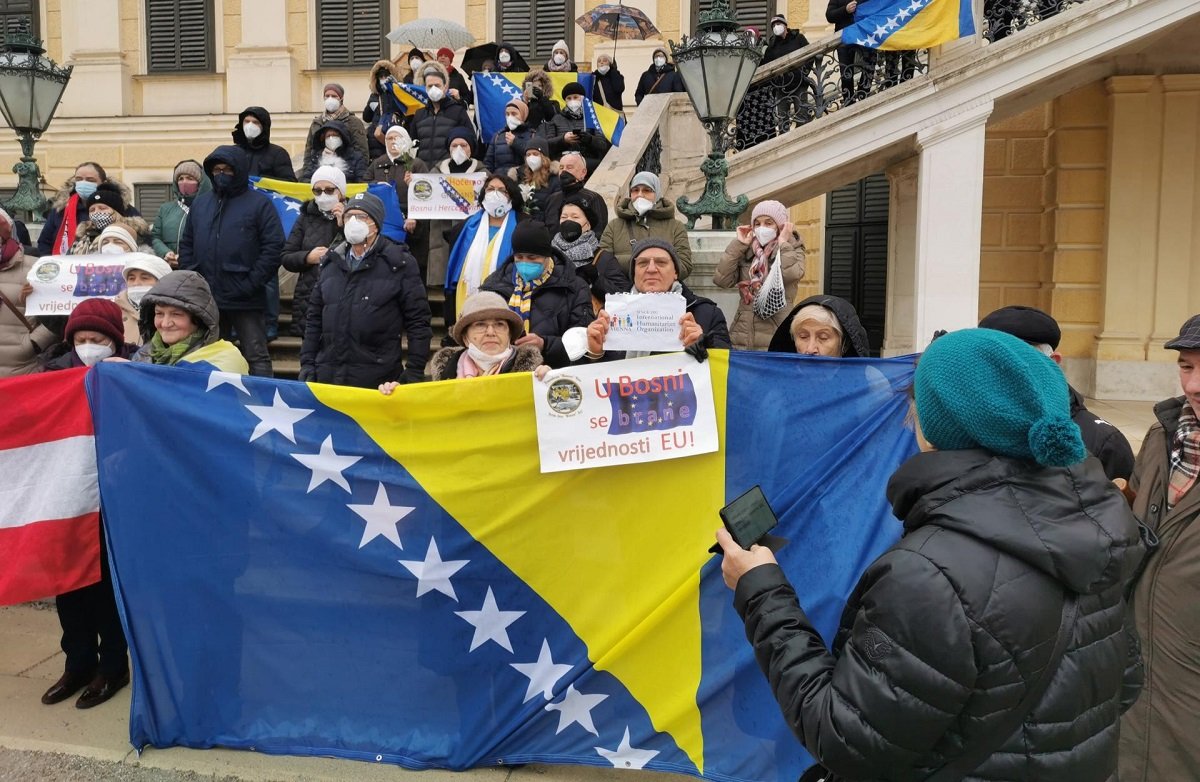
[
  {"x": 1068, "y": 522},
  {"x": 382, "y": 69},
  {"x": 852, "y": 328},
  {"x": 538, "y": 78},
  {"x": 433, "y": 65},
  {"x": 234, "y": 157},
  {"x": 333, "y": 124},
  {"x": 264, "y": 118},
  {"x": 663, "y": 209},
  {"x": 205, "y": 185},
  {"x": 188, "y": 291},
  {"x": 68, "y": 189}
]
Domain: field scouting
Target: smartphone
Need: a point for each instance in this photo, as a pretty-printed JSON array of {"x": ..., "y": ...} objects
[{"x": 749, "y": 517}]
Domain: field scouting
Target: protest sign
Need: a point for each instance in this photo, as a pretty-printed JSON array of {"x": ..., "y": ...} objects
[
  {"x": 444, "y": 196},
  {"x": 644, "y": 321},
  {"x": 624, "y": 412},
  {"x": 62, "y": 281}
]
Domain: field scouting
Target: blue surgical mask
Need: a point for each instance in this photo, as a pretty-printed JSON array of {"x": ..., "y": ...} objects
[
  {"x": 529, "y": 271},
  {"x": 85, "y": 188}
]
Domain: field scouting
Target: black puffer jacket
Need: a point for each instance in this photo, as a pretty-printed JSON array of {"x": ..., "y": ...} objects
[
  {"x": 349, "y": 159},
  {"x": 591, "y": 144},
  {"x": 947, "y": 630},
  {"x": 431, "y": 129},
  {"x": 1102, "y": 439},
  {"x": 356, "y": 320},
  {"x": 561, "y": 302},
  {"x": 266, "y": 159},
  {"x": 312, "y": 229}
]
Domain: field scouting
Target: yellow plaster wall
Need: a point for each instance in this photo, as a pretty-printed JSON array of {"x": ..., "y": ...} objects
[
  {"x": 668, "y": 20},
  {"x": 809, "y": 219},
  {"x": 477, "y": 19},
  {"x": 52, "y": 32}
]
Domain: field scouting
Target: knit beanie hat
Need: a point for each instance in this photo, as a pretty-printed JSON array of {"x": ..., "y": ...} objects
[
  {"x": 122, "y": 233},
  {"x": 151, "y": 264},
  {"x": 109, "y": 195},
  {"x": 189, "y": 167},
  {"x": 100, "y": 315},
  {"x": 446, "y": 51},
  {"x": 368, "y": 204},
  {"x": 561, "y": 46},
  {"x": 531, "y": 236},
  {"x": 537, "y": 143},
  {"x": 339, "y": 89},
  {"x": 574, "y": 88},
  {"x": 649, "y": 179},
  {"x": 330, "y": 174},
  {"x": 772, "y": 209},
  {"x": 521, "y": 107},
  {"x": 662, "y": 244},
  {"x": 979, "y": 388},
  {"x": 464, "y": 134}
]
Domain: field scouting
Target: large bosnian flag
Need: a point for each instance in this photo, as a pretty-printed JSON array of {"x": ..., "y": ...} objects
[{"x": 49, "y": 500}]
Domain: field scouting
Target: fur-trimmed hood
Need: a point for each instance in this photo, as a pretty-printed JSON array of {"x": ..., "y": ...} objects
[
  {"x": 538, "y": 78},
  {"x": 431, "y": 66},
  {"x": 68, "y": 187},
  {"x": 384, "y": 68},
  {"x": 444, "y": 365}
]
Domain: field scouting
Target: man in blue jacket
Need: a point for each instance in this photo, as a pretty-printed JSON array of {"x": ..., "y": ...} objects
[{"x": 233, "y": 237}]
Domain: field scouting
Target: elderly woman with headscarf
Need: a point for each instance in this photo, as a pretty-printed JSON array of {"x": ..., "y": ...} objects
[
  {"x": 179, "y": 321},
  {"x": 765, "y": 262},
  {"x": 822, "y": 325}
]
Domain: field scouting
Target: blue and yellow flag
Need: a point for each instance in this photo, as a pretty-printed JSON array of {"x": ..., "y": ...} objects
[
  {"x": 494, "y": 90},
  {"x": 410, "y": 97},
  {"x": 289, "y": 197},
  {"x": 326, "y": 571},
  {"x": 900, "y": 25}
]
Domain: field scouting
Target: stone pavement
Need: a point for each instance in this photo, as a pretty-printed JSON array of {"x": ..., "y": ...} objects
[{"x": 30, "y": 661}]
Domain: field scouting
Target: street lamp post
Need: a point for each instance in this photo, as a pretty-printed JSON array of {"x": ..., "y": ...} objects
[
  {"x": 31, "y": 85},
  {"x": 716, "y": 66}
]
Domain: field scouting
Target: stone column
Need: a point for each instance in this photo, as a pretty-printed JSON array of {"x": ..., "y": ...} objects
[
  {"x": 100, "y": 85},
  {"x": 898, "y": 336},
  {"x": 949, "y": 218},
  {"x": 262, "y": 64}
]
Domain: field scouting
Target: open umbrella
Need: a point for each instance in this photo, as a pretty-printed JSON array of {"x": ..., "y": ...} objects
[
  {"x": 617, "y": 21},
  {"x": 432, "y": 33},
  {"x": 474, "y": 58}
]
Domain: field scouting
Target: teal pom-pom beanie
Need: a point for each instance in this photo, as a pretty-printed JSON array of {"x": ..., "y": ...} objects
[{"x": 979, "y": 388}]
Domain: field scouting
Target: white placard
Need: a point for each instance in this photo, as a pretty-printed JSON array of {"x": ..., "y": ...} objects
[
  {"x": 62, "y": 281},
  {"x": 644, "y": 321},
  {"x": 444, "y": 196},
  {"x": 624, "y": 412}
]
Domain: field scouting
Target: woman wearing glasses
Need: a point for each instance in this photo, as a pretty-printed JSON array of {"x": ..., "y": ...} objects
[{"x": 318, "y": 228}]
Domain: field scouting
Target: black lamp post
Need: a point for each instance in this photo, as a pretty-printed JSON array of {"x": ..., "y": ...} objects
[
  {"x": 31, "y": 85},
  {"x": 716, "y": 66}
]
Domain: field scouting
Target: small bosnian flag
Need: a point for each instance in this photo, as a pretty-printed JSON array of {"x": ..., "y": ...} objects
[{"x": 50, "y": 498}]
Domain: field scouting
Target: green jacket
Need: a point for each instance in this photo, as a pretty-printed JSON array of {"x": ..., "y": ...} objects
[
  {"x": 627, "y": 229},
  {"x": 168, "y": 224}
]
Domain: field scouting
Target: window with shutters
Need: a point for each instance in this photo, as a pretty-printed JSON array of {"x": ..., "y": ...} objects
[
  {"x": 179, "y": 36},
  {"x": 149, "y": 196},
  {"x": 748, "y": 13},
  {"x": 532, "y": 27},
  {"x": 351, "y": 32},
  {"x": 856, "y": 242},
  {"x": 16, "y": 15}
]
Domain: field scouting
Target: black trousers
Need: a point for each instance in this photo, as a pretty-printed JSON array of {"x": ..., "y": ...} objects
[
  {"x": 252, "y": 338},
  {"x": 92, "y": 637}
]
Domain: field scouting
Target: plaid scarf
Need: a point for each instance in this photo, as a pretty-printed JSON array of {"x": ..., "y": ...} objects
[
  {"x": 1185, "y": 456},
  {"x": 522, "y": 296}
]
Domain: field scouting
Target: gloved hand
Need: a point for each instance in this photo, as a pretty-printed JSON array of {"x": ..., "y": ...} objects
[
  {"x": 587, "y": 272},
  {"x": 306, "y": 374},
  {"x": 698, "y": 351}
]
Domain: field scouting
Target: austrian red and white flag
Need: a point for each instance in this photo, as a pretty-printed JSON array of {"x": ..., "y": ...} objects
[{"x": 49, "y": 495}]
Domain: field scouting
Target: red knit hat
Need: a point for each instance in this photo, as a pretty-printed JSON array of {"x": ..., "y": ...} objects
[
  {"x": 100, "y": 315},
  {"x": 446, "y": 51}
]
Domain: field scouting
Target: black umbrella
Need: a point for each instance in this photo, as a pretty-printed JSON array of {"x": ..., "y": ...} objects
[{"x": 474, "y": 58}]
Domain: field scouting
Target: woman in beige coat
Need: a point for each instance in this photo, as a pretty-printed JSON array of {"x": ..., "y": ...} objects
[
  {"x": 765, "y": 262},
  {"x": 21, "y": 339}
]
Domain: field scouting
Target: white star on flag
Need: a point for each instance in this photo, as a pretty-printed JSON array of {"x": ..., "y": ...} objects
[
  {"x": 293, "y": 206},
  {"x": 903, "y": 14},
  {"x": 326, "y": 465},
  {"x": 433, "y": 575},
  {"x": 218, "y": 378},
  {"x": 575, "y": 707},
  {"x": 277, "y": 417},
  {"x": 381, "y": 517},
  {"x": 626, "y": 756},
  {"x": 891, "y": 24},
  {"x": 880, "y": 31},
  {"x": 915, "y": 6},
  {"x": 490, "y": 623},
  {"x": 543, "y": 674}
]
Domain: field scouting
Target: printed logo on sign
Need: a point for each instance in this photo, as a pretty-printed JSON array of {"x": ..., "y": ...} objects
[
  {"x": 47, "y": 271},
  {"x": 423, "y": 190},
  {"x": 649, "y": 403},
  {"x": 564, "y": 396}
]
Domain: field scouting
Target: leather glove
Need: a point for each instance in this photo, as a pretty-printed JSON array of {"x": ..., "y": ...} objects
[{"x": 698, "y": 351}]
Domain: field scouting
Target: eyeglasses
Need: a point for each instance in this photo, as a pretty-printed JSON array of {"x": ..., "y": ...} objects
[
  {"x": 324, "y": 190},
  {"x": 481, "y": 326}
]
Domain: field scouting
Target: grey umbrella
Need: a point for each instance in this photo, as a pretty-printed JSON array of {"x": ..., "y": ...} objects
[{"x": 432, "y": 34}]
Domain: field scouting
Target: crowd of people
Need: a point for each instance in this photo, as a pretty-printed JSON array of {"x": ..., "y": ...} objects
[{"x": 1005, "y": 516}]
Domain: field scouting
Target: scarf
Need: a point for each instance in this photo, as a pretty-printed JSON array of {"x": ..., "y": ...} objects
[
  {"x": 566, "y": 66},
  {"x": 762, "y": 259},
  {"x": 579, "y": 251},
  {"x": 473, "y": 362},
  {"x": 483, "y": 258},
  {"x": 1185, "y": 456},
  {"x": 8, "y": 251},
  {"x": 162, "y": 353},
  {"x": 522, "y": 295},
  {"x": 66, "y": 231}
]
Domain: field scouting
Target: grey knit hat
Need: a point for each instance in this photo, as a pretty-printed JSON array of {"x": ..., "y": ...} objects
[
  {"x": 661, "y": 244},
  {"x": 369, "y": 205}
]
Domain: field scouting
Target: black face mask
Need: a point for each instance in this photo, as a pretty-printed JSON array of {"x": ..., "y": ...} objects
[
  {"x": 222, "y": 182},
  {"x": 568, "y": 180},
  {"x": 570, "y": 230}
]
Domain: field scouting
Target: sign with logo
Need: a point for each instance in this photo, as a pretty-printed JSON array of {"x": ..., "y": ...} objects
[
  {"x": 644, "y": 321},
  {"x": 444, "y": 196},
  {"x": 62, "y": 281},
  {"x": 624, "y": 412}
]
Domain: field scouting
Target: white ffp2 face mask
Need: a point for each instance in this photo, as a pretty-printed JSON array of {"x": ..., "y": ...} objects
[
  {"x": 559, "y": 59},
  {"x": 333, "y": 143},
  {"x": 112, "y": 248},
  {"x": 91, "y": 354},
  {"x": 435, "y": 94},
  {"x": 602, "y": 70},
  {"x": 660, "y": 61},
  {"x": 325, "y": 202},
  {"x": 512, "y": 122},
  {"x": 779, "y": 30},
  {"x": 356, "y": 231},
  {"x": 764, "y": 234},
  {"x": 135, "y": 293},
  {"x": 459, "y": 156},
  {"x": 642, "y": 205},
  {"x": 332, "y": 105},
  {"x": 251, "y": 130},
  {"x": 534, "y": 162},
  {"x": 496, "y": 203}
]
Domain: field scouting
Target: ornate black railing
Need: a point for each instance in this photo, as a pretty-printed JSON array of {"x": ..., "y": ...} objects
[
  {"x": 1002, "y": 18},
  {"x": 818, "y": 80},
  {"x": 651, "y": 159}
]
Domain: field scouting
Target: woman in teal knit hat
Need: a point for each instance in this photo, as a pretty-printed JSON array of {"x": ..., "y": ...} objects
[{"x": 990, "y": 642}]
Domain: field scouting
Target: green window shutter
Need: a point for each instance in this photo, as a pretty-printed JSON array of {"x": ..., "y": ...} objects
[
  {"x": 16, "y": 13},
  {"x": 351, "y": 33},
  {"x": 534, "y": 26},
  {"x": 747, "y": 13},
  {"x": 149, "y": 196},
  {"x": 179, "y": 36}
]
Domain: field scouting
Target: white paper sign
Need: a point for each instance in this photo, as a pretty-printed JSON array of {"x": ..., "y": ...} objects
[
  {"x": 625, "y": 412},
  {"x": 62, "y": 281},
  {"x": 644, "y": 321},
  {"x": 444, "y": 196}
]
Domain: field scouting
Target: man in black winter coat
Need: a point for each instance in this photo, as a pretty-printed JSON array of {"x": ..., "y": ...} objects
[
  {"x": 431, "y": 126},
  {"x": 572, "y": 175},
  {"x": 1103, "y": 440},
  {"x": 233, "y": 237},
  {"x": 1014, "y": 547},
  {"x": 567, "y": 131},
  {"x": 253, "y": 134}
]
